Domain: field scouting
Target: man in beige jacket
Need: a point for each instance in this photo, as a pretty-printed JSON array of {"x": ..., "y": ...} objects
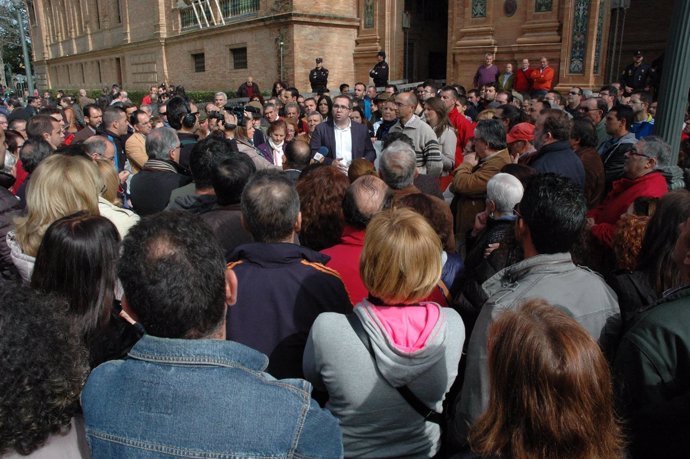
[{"x": 135, "y": 147}]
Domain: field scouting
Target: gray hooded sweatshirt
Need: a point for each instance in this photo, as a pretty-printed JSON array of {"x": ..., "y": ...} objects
[{"x": 376, "y": 421}]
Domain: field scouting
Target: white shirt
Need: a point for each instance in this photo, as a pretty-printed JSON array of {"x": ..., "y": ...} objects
[{"x": 343, "y": 143}]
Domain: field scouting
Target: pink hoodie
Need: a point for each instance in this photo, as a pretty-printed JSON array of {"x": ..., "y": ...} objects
[{"x": 408, "y": 327}]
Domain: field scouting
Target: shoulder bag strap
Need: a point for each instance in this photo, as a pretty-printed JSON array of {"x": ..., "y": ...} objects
[{"x": 424, "y": 411}]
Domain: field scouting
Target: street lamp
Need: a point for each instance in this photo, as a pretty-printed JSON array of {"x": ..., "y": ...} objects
[{"x": 25, "y": 48}]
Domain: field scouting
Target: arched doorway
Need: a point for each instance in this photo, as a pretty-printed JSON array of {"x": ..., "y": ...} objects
[{"x": 425, "y": 26}]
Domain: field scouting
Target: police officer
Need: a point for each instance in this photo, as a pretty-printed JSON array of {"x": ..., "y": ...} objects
[
  {"x": 318, "y": 77},
  {"x": 380, "y": 71},
  {"x": 637, "y": 76}
]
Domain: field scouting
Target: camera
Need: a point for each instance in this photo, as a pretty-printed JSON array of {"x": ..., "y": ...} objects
[
  {"x": 216, "y": 115},
  {"x": 237, "y": 110}
]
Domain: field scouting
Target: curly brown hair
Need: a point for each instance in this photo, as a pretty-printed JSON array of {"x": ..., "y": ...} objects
[
  {"x": 321, "y": 192},
  {"x": 627, "y": 240},
  {"x": 42, "y": 371}
]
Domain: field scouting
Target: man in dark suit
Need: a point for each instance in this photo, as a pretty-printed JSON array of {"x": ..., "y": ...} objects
[{"x": 344, "y": 139}]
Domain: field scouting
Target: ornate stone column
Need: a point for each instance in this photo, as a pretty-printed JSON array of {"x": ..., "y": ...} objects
[
  {"x": 585, "y": 30},
  {"x": 380, "y": 29},
  {"x": 675, "y": 79},
  {"x": 470, "y": 35}
]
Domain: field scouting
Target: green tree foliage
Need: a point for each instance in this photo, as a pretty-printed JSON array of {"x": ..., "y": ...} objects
[{"x": 10, "y": 40}]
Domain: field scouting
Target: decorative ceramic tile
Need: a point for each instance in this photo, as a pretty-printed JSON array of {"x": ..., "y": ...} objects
[
  {"x": 368, "y": 14},
  {"x": 542, "y": 6},
  {"x": 604, "y": 4},
  {"x": 478, "y": 8},
  {"x": 579, "y": 38}
]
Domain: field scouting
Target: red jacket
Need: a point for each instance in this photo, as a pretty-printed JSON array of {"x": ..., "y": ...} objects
[
  {"x": 464, "y": 130},
  {"x": 523, "y": 80},
  {"x": 542, "y": 79},
  {"x": 345, "y": 260},
  {"x": 616, "y": 203}
]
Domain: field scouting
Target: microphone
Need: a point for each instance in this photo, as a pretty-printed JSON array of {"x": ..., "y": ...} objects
[{"x": 321, "y": 154}]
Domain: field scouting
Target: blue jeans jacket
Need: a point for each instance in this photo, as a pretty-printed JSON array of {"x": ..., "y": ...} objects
[{"x": 202, "y": 398}]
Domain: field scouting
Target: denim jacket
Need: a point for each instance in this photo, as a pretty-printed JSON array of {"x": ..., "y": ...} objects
[{"x": 202, "y": 398}]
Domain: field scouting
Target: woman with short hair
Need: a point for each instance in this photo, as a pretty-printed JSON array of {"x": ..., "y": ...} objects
[
  {"x": 551, "y": 394},
  {"x": 493, "y": 227},
  {"x": 274, "y": 148},
  {"x": 403, "y": 342}
]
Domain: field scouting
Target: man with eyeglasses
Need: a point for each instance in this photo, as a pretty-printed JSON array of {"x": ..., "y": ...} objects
[
  {"x": 423, "y": 137},
  {"x": 573, "y": 100},
  {"x": 596, "y": 110},
  {"x": 610, "y": 95},
  {"x": 163, "y": 113},
  {"x": 342, "y": 139},
  {"x": 641, "y": 178},
  {"x": 151, "y": 187}
]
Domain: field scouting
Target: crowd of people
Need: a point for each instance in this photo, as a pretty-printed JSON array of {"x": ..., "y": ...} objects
[{"x": 430, "y": 271}]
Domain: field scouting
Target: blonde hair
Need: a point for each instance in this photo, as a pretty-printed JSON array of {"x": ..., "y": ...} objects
[
  {"x": 486, "y": 114},
  {"x": 401, "y": 258},
  {"x": 109, "y": 180},
  {"x": 60, "y": 186}
]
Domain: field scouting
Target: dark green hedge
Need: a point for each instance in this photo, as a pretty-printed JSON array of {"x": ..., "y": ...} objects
[{"x": 137, "y": 96}]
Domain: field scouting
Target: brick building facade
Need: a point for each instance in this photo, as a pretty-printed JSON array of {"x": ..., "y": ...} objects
[{"x": 136, "y": 43}]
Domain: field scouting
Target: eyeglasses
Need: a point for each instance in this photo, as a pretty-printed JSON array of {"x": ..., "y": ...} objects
[
  {"x": 634, "y": 152},
  {"x": 162, "y": 114},
  {"x": 574, "y": 93},
  {"x": 516, "y": 211},
  {"x": 341, "y": 107}
]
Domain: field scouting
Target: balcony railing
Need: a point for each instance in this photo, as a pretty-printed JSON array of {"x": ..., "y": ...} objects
[{"x": 210, "y": 13}]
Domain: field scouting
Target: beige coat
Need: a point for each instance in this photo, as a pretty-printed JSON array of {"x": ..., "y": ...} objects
[{"x": 469, "y": 187}]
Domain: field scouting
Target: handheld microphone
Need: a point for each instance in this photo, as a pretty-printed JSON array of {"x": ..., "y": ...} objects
[{"x": 320, "y": 155}]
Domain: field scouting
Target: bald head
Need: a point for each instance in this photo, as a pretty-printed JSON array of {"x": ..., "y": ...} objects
[
  {"x": 297, "y": 155},
  {"x": 366, "y": 196}
]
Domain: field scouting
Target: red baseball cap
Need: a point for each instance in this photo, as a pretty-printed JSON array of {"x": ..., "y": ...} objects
[{"x": 521, "y": 131}]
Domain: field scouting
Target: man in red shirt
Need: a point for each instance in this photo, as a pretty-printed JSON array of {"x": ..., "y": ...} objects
[
  {"x": 641, "y": 178},
  {"x": 464, "y": 128},
  {"x": 148, "y": 98},
  {"x": 542, "y": 79},
  {"x": 523, "y": 78}
]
